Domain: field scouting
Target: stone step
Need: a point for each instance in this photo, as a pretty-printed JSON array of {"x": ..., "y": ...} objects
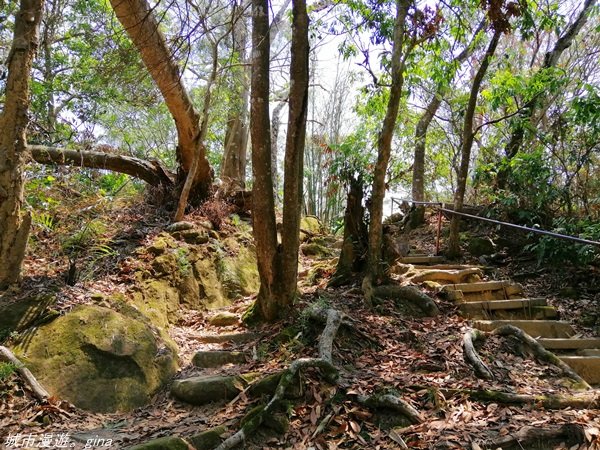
[
  {"x": 218, "y": 358},
  {"x": 237, "y": 338},
  {"x": 588, "y": 367},
  {"x": 535, "y": 328},
  {"x": 570, "y": 344},
  {"x": 421, "y": 259}
]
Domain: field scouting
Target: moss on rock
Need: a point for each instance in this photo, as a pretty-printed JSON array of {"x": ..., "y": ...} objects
[{"x": 98, "y": 359}]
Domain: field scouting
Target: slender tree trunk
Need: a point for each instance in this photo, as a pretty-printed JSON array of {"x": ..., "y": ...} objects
[
  {"x": 519, "y": 125},
  {"x": 467, "y": 143},
  {"x": 418, "y": 181},
  {"x": 263, "y": 206},
  {"x": 384, "y": 143},
  {"x": 294, "y": 152},
  {"x": 141, "y": 25},
  {"x": 14, "y": 223},
  {"x": 233, "y": 168},
  {"x": 275, "y": 125}
]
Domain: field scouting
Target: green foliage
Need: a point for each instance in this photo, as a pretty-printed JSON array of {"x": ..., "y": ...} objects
[
  {"x": 558, "y": 251},
  {"x": 6, "y": 370},
  {"x": 531, "y": 196}
]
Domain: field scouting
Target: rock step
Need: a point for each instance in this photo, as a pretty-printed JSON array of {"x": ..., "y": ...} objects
[
  {"x": 421, "y": 259},
  {"x": 588, "y": 367},
  {"x": 237, "y": 338},
  {"x": 570, "y": 344},
  {"x": 535, "y": 328},
  {"x": 218, "y": 358}
]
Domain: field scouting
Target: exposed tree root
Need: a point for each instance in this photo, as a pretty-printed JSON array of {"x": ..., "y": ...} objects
[
  {"x": 535, "y": 437},
  {"x": 8, "y": 356},
  {"x": 584, "y": 400},
  {"x": 482, "y": 371},
  {"x": 324, "y": 362},
  {"x": 320, "y": 315},
  {"x": 411, "y": 294},
  {"x": 469, "y": 339},
  {"x": 540, "y": 352},
  {"x": 393, "y": 402}
]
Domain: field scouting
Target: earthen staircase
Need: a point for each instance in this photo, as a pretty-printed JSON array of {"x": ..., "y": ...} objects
[{"x": 492, "y": 304}]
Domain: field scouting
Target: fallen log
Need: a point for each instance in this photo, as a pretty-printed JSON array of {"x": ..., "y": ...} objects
[
  {"x": 7, "y": 356},
  {"x": 149, "y": 171}
]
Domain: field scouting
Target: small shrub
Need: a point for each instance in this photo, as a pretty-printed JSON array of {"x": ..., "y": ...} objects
[{"x": 6, "y": 370}]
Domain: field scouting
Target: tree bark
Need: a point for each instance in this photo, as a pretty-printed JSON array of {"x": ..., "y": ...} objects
[
  {"x": 233, "y": 168},
  {"x": 519, "y": 125},
  {"x": 384, "y": 143},
  {"x": 275, "y": 125},
  {"x": 149, "y": 171},
  {"x": 14, "y": 223},
  {"x": 418, "y": 181},
  {"x": 263, "y": 205},
  {"x": 294, "y": 153},
  {"x": 141, "y": 25},
  {"x": 467, "y": 143}
]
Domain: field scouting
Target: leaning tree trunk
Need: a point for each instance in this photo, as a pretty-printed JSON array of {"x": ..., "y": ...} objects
[
  {"x": 519, "y": 124},
  {"x": 384, "y": 143},
  {"x": 467, "y": 143},
  {"x": 14, "y": 223},
  {"x": 294, "y": 153},
  {"x": 263, "y": 205},
  {"x": 138, "y": 20}
]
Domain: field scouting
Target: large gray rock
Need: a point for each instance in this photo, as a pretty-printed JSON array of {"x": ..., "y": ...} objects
[{"x": 207, "y": 389}]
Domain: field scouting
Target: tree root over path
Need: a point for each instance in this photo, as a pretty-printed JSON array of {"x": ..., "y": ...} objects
[
  {"x": 531, "y": 437},
  {"x": 324, "y": 362},
  {"x": 8, "y": 356},
  {"x": 482, "y": 371}
]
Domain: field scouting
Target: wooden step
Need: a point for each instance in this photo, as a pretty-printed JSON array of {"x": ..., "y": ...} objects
[
  {"x": 535, "y": 328},
  {"x": 483, "y": 291},
  {"x": 492, "y": 305},
  {"x": 589, "y": 352},
  {"x": 588, "y": 367},
  {"x": 421, "y": 259},
  {"x": 570, "y": 344},
  {"x": 531, "y": 309}
]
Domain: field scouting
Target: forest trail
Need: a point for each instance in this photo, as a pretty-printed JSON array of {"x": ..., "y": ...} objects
[{"x": 492, "y": 304}]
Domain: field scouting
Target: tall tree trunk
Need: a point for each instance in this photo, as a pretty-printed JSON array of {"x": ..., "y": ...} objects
[
  {"x": 418, "y": 180},
  {"x": 294, "y": 153},
  {"x": 275, "y": 125},
  {"x": 233, "y": 168},
  {"x": 141, "y": 25},
  {"x": 263, "y": 206},
  {"x": 519, "y": 124},
  {"x": 384, "y": 143},
  {"x": 14, "y": 223},
  {"x": 467, "y": 143}
]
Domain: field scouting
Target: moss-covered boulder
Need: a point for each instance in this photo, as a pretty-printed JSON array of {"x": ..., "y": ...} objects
[
  {"x": 315, "y": 249},
  {"x": 164, "y": 443},
  {"x": 98, "y": 359},
  {"x": 224, "y": 319},
  {"x": 239, "y": 273},
  {"x": 309, "y": 226},
  {"x": 479, "y": 246},
  {"x": 158, "y": 300}
]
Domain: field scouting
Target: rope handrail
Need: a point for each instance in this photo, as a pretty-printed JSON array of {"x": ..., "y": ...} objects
[{"x": 440, "y": 207}]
